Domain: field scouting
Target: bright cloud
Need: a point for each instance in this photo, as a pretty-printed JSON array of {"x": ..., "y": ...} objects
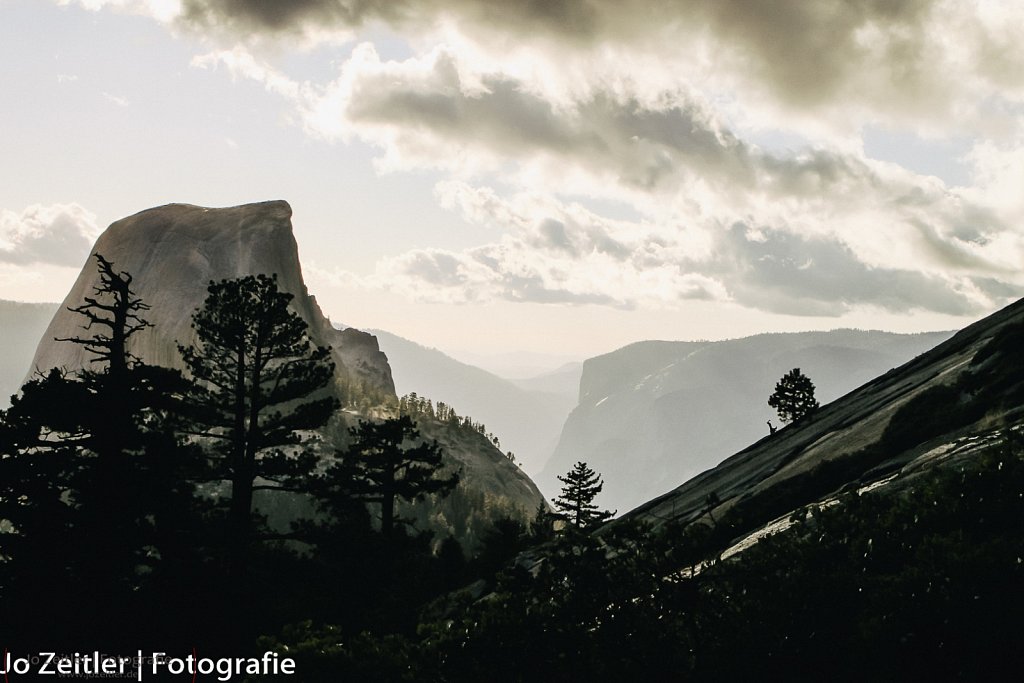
[
  {"x": 564, "y": 253},
  {"x": 59, "y": 234},
  {"x": 869, "y": 232}
]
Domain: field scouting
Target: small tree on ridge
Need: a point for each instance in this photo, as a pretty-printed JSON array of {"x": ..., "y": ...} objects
[
  {"x": 582, "y": 485},
  {"x": 793, "y": 398}
]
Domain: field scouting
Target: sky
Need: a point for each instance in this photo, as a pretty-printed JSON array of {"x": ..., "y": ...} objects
[{"x": 560, "y": 177}]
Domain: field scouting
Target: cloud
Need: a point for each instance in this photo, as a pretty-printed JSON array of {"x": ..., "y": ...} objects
[
  {"x": 939, "y": 67},
  {"x": 553, "y": 252},
  {"x": 59, "y": 234},
  {"x": 870, "y": 233},
  {"x": 116, "y": 99},
  {"x": 929, "y": 61},
  {"x": 436, "y": 111},
  {"x": 241, "y": 63},
  {"x": 800, "y": 275},
  {"x": 571, "y": 103}
]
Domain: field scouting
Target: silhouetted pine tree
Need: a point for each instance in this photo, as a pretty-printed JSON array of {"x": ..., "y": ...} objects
[
  {"x": 92, "y": 483},
  {"x": 793, "y": 398},
  {"x": 582, "y": 485},
  {"x": 260, "y": 381},
  {"x": 384, "y": 463}
]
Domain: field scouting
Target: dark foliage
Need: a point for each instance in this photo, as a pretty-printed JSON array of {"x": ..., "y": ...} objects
[
  {"x": 793, "y": 397},
  {"x": 923, "y": 585},
  {"x": 582, "y": 485},
  {"x": 386, "y": 462},
  {"x": 259, "y": 381},
  {"x": 94, "y": 485}
]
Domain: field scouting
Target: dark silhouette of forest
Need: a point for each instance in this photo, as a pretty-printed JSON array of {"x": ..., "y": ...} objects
[
  {"x": 128, "y": 492},
  {"x": 128, "y": 500}
]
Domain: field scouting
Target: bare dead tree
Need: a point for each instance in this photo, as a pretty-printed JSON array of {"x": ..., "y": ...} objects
[{"x": 115, "y": 307}]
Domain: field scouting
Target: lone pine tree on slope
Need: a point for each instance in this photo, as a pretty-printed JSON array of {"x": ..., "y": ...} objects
[
  {"x": 582, "y": 485},
  {"x": 793, "y": 398}
]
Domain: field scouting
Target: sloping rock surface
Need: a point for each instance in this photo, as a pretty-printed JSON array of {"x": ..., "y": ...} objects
[
  {"x": 655, "y": 413},
  {"x": 784, "y": 465}
]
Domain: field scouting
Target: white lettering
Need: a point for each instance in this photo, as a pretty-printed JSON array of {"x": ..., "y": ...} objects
[
  {"x": 158, "y": 659},
  {"x": 45, "y": 667}
]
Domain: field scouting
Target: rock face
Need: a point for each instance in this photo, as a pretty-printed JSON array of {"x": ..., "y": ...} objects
[
  {"x": 656, "y": 413},
  {"x": 173, "y": 252},
  {"x": 808, "y": 462}
]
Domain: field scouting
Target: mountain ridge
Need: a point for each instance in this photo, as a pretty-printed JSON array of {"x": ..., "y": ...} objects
[
  {"x": 844, "y": 428},
  {"x": 21, "y": 326},
  {"x": 674, "y": 409},
  {"x": 526, "y": 421}
]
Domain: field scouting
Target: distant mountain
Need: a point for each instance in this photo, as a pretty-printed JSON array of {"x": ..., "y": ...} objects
[
  {"x": 563, "y": 381},
  {"x": 21, "y": 326},
  {"x": 655, "y": 413},
  {"x": 942, "y": 409},
  {"x": 514, "y": 364},
  {"x": 526, "y": 415}
]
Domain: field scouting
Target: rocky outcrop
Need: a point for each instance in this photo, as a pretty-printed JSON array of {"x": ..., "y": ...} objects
[{"x": 173, "y": 252}]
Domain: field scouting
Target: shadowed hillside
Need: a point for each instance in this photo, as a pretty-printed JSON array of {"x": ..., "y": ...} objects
[{"x": 526, "y": 415}]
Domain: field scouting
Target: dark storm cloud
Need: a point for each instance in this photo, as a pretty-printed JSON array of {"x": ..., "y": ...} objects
[
  {"x": 645, "y": 145},
  {"x": 562, "y": 17},
  {"x": 282, "y": 15},
  {"x": 806, "y": 51}
]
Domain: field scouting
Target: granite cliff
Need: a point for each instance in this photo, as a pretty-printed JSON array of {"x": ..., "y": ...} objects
[{"x": 173, "y": 252}]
